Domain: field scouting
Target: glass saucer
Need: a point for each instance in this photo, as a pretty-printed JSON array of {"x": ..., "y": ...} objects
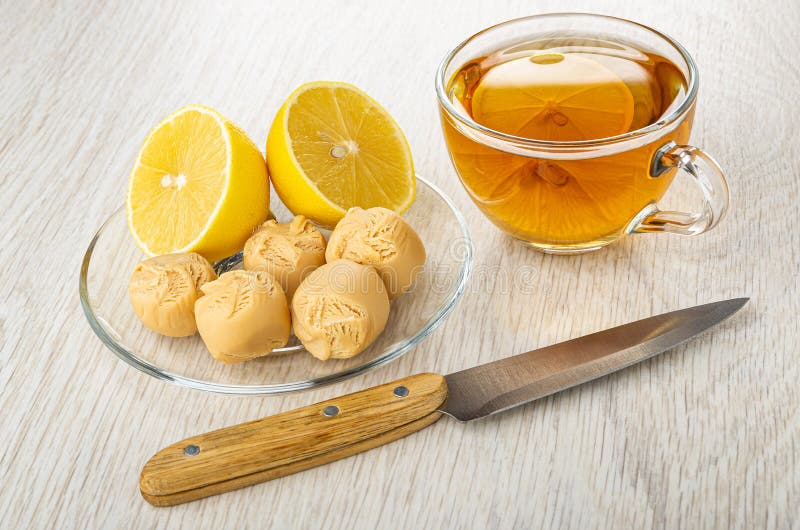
[{"x": 112, "y": 256}]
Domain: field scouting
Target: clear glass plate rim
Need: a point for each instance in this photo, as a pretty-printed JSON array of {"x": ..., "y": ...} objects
[{"x": 392, "y": 352}]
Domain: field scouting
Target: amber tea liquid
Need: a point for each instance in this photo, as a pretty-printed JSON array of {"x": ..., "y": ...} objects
[{"x": 568, "y": 89}]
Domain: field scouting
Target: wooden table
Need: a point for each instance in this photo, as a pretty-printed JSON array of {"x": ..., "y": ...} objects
[{"x": 705, "y": 436}]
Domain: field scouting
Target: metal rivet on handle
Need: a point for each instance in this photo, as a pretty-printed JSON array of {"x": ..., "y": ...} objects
[
  {"x": 330, "y": 411},
  {"x": 401, "y": 391},
  {"x": 191, "y": 450}
]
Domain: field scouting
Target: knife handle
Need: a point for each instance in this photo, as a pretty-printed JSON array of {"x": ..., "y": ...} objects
[{"x": 279, "y": 445}]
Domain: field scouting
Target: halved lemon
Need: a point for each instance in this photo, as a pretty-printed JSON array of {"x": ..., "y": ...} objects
[
  {"x": 199, "y": 184},
  {"x": 555, "y": 97},
  {"x": 332, "y": 147}
]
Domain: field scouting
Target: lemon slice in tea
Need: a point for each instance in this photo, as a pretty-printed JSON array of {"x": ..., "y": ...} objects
[{"x": 554, "y": 97}]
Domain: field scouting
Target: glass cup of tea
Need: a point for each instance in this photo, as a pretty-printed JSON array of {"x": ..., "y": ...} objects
[{"x": 566, "y": 129}]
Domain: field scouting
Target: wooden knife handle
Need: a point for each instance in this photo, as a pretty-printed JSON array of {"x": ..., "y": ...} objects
[{"x": 276, "y": 446}]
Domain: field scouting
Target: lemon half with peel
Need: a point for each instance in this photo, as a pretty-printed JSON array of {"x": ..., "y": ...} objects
[
  {"x": 199, "y": 185},
  {"x": 332, "y": 147}
]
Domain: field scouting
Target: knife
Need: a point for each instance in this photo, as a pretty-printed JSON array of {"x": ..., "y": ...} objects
[{"x": 276, "y": 446}]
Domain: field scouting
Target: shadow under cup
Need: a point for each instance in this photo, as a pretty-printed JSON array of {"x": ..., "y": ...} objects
[{"x": 569, "y": 197}]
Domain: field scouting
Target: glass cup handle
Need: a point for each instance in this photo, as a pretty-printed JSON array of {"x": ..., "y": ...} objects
[{"x": 706, "y": 173}]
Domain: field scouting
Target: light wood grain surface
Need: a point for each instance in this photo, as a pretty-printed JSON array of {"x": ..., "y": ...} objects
[{"x": 706, "y": 436}]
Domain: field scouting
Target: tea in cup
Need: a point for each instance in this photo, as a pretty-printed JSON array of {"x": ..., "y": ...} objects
[{"x": 566, "y": 130}]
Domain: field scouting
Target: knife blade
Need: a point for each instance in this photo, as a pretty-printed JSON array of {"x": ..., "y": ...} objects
[
  {"x": 279, "y": 445},
  {"x": 497, "y": 386}
]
